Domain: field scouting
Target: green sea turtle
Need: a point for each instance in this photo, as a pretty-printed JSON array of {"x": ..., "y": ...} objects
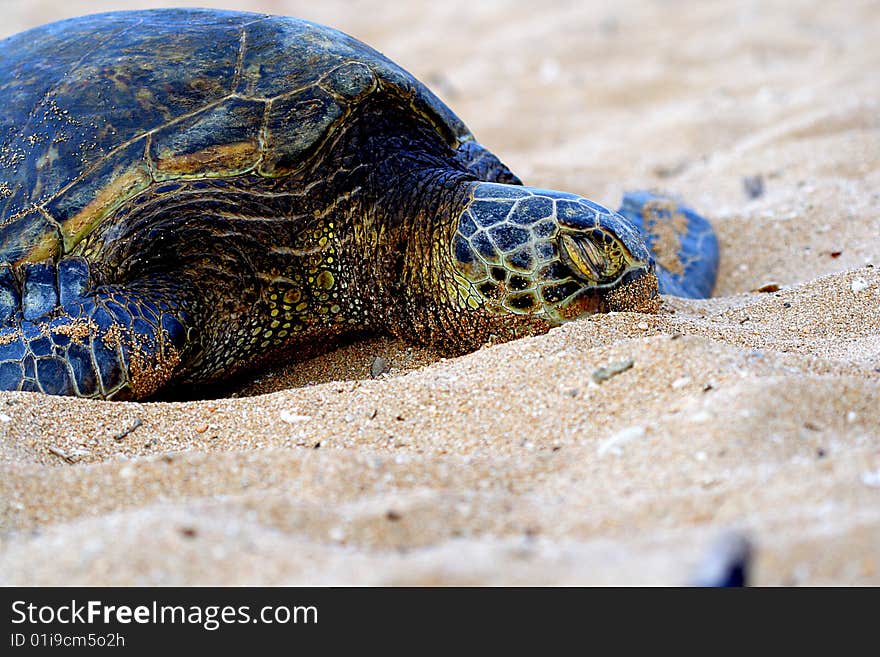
[{"x": 188, "y": 194}]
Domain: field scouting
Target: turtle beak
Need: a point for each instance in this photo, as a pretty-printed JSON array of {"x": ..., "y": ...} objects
[
  {"x": 615, "y": 268},
  {"x": 637, "y": 290}
]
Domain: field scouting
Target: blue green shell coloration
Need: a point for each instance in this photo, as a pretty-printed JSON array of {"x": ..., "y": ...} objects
[{"x": 98, "y": 108}]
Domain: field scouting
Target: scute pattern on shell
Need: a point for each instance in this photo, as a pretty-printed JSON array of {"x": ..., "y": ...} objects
[{"x": 127, "y": 99}]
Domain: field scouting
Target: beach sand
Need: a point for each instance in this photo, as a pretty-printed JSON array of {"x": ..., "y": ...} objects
[{"x": 753, "y": 412}]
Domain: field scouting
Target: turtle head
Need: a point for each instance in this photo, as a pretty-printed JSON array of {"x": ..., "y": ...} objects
[{"x": 548, "y": 254}]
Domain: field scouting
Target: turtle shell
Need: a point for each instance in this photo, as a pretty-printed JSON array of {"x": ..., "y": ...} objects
[{"x": 98, "y": 108}]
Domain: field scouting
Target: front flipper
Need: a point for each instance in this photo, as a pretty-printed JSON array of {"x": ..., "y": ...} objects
[
  {"x": 683, "y": 243},
  {"x": 60, "y": 336}
]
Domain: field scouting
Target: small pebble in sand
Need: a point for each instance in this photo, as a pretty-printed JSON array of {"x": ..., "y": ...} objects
[
  {"x": 124, "y": 433},
  {"x": 602, "y": 374},
  {"x": 680, "y": 383},
  {"x": 5, "y": 418},
  {"x": 615, "y": 443},
  {"x": 872, "y": 479},
  {"x": 671, "y": 170},
  {"x": 753, "y": 186},
  {"x": 851, "y": 417},
  {"x": 379, "y": 367},
  {"x": 188, "y": 532},
  {"x": 859, "y": 285},
  {"x": 767, "y": 287},
  {"x": 643, "y": 326},
  {"x": 293, "y": 418},
  {"x": 60, "y": 454},
  {"x": 727, "y": 562}
]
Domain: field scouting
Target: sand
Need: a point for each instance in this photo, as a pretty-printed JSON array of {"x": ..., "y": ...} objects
[{"x": 754, "y": 412}]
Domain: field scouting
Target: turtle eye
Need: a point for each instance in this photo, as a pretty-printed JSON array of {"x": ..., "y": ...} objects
[{"x": 595, "y": 255}]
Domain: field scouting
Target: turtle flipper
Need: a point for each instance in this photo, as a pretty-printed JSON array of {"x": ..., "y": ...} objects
[
  {"x": 683, "y": 243},
  {"x": 61, "y": 336}
]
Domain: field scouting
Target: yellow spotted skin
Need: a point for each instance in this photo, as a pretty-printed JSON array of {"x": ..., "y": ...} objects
[{"x": 208, "y": 148}]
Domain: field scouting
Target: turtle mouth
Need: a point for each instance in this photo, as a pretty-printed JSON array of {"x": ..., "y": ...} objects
[
  {"x": 636, "y": 289},
  {"x": 612, "y": 277}
]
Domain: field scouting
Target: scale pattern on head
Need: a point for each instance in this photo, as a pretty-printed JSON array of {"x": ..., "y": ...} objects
[{"x": 533, "y": 251}]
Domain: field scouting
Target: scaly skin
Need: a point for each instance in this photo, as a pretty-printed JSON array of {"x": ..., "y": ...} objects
[
  {"x": 200, "y": 280},
  {"x": 68, "y": 338},
  {"x": 285, "y": 189}
]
